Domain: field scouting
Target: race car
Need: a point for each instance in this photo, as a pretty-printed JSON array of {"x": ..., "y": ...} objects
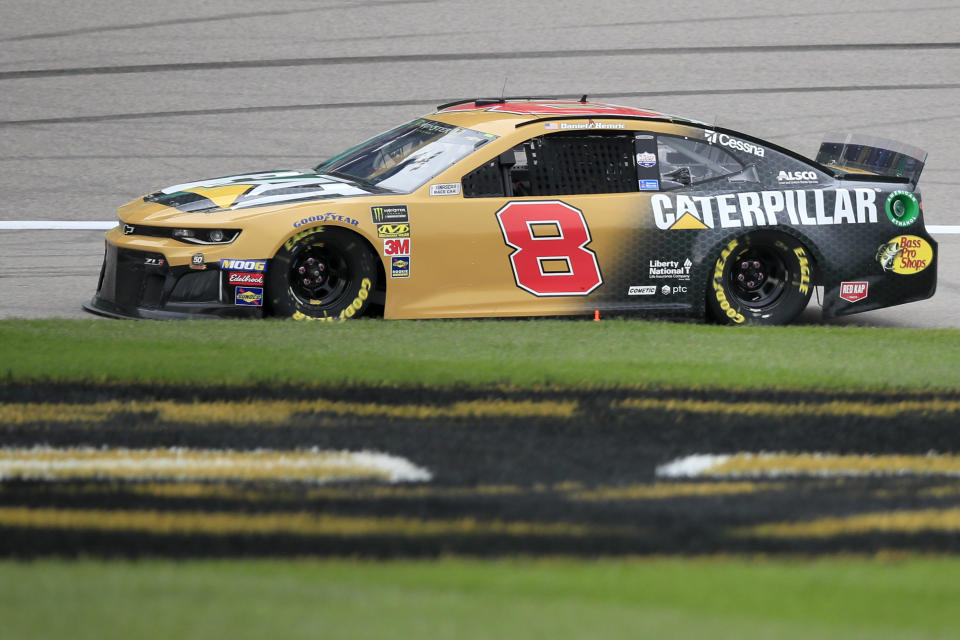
[{"x": 533, "y": 207}]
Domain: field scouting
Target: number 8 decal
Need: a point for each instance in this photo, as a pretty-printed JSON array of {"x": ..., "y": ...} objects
[{"x": 550, "y": 257}]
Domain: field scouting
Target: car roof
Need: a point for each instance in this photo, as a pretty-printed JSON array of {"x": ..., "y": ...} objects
[{"x": 476, "y": 112}]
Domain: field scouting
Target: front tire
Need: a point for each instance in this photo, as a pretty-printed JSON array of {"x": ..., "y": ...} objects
[
  {"x": 760, "y": 278},
  {"x": 323, "y": 273}
]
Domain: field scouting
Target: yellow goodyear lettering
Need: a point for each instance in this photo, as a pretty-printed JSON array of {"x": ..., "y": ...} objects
[
  {"x": 351, "y": 310},
  {"x": 725, "y": 305},
  {"x": 804, "y": 285}
]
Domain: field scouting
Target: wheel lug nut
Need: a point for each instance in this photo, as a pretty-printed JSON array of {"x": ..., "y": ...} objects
[
  {"x": 741, "y": 278},
  {"x": 306, "y": 281},
  {"x": 756, "y": 265},
  {"x": 322, "y": 267},
  {"x": 759, "y": 276},
  {"x": 744, "y": 265},
  {"x": 751, "y": 284},
  {"x": 311, "y": 261},
  {"x": 319, "y": 280},
  {"x": 302, "y": 270}
]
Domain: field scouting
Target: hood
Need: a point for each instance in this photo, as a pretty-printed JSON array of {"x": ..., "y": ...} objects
[{"x": 242, "y": 192}]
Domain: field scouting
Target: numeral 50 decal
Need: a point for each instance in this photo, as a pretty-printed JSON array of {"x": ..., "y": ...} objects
[{"x": 550, "y": 257}]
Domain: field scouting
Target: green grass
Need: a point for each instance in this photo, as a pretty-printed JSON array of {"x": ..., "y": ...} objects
[
  {"x": 523, "y": 353},
  {"x": 464, "y": 599}
]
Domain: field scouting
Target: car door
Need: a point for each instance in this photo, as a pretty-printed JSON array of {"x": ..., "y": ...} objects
[{"x": 542, "y": 228}]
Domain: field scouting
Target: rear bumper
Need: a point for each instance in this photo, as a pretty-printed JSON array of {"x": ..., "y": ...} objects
[{"x": 142, "y": 285}]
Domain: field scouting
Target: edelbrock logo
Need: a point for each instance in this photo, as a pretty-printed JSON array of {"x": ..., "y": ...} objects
[{"x": 728, "y": 141}]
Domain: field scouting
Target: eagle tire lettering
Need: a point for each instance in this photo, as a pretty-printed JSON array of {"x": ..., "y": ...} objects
[
  {"x": 324, "y": 274},
  {"x": 761, "y": 278}
]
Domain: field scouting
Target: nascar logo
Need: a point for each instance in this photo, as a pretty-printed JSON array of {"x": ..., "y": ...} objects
[{"x": 242, "y": 265}]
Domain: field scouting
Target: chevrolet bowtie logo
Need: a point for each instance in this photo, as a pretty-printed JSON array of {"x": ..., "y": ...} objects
[{"x": 127, "y": 229}]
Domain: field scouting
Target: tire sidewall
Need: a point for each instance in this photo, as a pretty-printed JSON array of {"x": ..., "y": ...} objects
[
  {"x": 356, "y": 295},
  {"x": 798, "y": 284}
]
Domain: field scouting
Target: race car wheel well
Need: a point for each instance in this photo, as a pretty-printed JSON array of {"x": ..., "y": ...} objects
[
  {"x": 325, "y": 273},
  {"x": 761, "y": 277}
]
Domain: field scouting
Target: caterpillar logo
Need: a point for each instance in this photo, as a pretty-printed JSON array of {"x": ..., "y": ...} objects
[{"x": 399, "y": 230}]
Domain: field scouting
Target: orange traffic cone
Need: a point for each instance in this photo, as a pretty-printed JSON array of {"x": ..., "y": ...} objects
[{"x": 596, "y": 315}]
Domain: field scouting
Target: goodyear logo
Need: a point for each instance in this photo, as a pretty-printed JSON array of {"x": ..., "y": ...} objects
[
  {"x": 398, "y": 230},
  {"x": 249, "y": 296},
  {"x": 243, "y": 265}
]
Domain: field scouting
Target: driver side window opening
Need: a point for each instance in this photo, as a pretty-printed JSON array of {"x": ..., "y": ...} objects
[
  {"x": 684, "y": 162},
  {"x": 558, "y": 164}
]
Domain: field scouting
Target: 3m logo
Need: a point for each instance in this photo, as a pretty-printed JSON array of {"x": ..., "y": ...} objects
[
  {"x": 854, "y": 291},
  {"x": 396, "y": 247}
]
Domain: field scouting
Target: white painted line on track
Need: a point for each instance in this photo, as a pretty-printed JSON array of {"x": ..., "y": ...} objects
[
  {"x": 80, "y": 225},
  {"x": 306, "y": 465},
  {"x": 69, "y": 225}
]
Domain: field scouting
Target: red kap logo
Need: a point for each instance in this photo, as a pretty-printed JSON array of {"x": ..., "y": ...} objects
[
  {"x": 396, "y": 247},
  {"x": 854, "y": 291},
  {"x": 252, "y": 279}
]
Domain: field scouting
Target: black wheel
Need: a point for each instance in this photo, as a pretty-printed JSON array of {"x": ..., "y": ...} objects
[
  {"x": 324, "y": 273},
  {"x": 761, "y": 278}
]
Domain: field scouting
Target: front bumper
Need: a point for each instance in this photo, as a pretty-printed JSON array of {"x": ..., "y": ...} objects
[{"x": 141, "y": 284}]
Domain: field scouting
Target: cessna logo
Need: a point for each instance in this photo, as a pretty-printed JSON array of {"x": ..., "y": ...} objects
[
  {"x": 728, "y": 141},
  {"x": 399, "y": 230},
  {"x": 799, "y": 207}
]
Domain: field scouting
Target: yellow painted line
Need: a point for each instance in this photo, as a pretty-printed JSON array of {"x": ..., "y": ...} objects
[
  {"x": 569, "y": 491},
  {"x": 933, "y": 520},
  {"x": 833, "y": 408},
  {"x": 808, "y": 464},
  {"x": 275, "y": 411},
  {"x": 660, "y": 491},
  {"x": 223, "y": 523},
  {"x": 310, "y": 465}
]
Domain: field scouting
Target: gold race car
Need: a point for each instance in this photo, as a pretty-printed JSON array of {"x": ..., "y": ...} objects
[{"x": 523, "y": 207}]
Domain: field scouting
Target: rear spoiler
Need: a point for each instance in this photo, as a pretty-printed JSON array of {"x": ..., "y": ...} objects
[{"x": 856, "y": 153}]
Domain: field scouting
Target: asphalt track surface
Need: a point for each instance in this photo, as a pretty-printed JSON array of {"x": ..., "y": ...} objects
[
  {"x": 511, "y": 472},
  {"x": 105, "y": 101}
]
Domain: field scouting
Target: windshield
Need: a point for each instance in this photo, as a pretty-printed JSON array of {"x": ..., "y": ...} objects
[{"x": 406, "y": 157}]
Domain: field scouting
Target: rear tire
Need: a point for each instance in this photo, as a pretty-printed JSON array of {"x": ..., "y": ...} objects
[
  {"x": 323, "y": 273},
  {"x": 761, "y": 278}
]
